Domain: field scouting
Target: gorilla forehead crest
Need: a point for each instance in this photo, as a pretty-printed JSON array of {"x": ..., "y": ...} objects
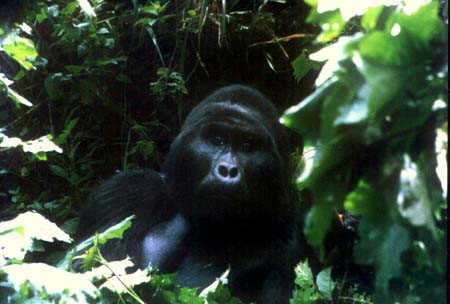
[
  {"x": 242, "y": 104},
  {"x": 238, "y": 97}
]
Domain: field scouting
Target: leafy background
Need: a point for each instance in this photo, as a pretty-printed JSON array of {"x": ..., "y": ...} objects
[{"x": 89, "y": 88}]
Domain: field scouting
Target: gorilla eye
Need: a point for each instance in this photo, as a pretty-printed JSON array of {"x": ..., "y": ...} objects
[
  {"x": 249, "y": 144},
  {"x": 217, "y": 140}
]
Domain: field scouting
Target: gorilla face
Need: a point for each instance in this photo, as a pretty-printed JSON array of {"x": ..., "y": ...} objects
[{"x": 225, "y": 164}]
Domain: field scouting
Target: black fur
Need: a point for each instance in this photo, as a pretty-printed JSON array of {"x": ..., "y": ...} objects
[{"x": 225, "y": 197}]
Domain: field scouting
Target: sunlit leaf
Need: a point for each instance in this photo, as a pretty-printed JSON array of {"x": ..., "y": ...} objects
[
  {"x": 87, "y": 8},
  {"x": 223, "y": 279},
  {"x": 116, "y": 277},
  {"x": 332, "y": 55},
  {"x": 57, "y": 284},
  {"x": 441, "y": 149},
  {"x": 122, "y": 283},
  {"x": 17, "y": 235},
  {"x": 9, "y": 142},
  {"x": 349, "y": 10},
  {"x": 18, "y": 98},
  {"x": 370, "y": 18},
  {"x": 42, "y": 144},
  {"x": 423, "y": 24},
  {"x": 20, "y": 49}
]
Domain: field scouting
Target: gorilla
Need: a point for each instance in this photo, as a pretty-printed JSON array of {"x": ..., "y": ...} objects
[{"x": 225, "y": 198}]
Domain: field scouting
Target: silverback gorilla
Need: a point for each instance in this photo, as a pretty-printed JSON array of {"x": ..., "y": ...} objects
[{"x": 225, "y": 198}]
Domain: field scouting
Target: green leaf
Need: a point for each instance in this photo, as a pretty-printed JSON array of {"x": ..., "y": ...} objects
[
  {"x": 304, "y": 117},
  {"x": 382, "y": 239},
  {"x": 388, "y": 256},
  {"x": 386, "y": 49},
  {"x": 317, "y": 223},
  {"x": 340, "y": 97},
  {"x": 306, "y": 291},
  {"x": 325, "y": 283},
  {"x": 409, "y": 116},
  {"x": 53, "y": 85},
  {"x": 71, "y": 226},
  {"x": 58, "y": 171},
  {"x": 116, "y": 231},
  {"x": 302, "y": 65},
  {"x": 146, "y": 21},
  {"x": 385, "y": 83},
  {"x": 370, "y": 19},
  {"x": 20, "y": 74},
  {"x": 424, "y": 25},
  {"x": 113, "y": 232},
  {"x": 62, "y": 138},
  {"x": 20, "y": 49},
  {"x": 41, "y": 16},
  {"x": 70, "y": 8},
  {"x": 355, "y": 112},
  {"x": 75, "y": 69},
  {"x": 331, "y": 23}
]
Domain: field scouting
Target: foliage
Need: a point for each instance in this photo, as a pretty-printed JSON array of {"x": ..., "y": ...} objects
[
  {"x": 372, "y": 124},
  {"x": 22, "y": 234},
  {"x": 102, "y": 282},
  {"x": 308, "y": 291},
  {"x": 36, "y": 281}
]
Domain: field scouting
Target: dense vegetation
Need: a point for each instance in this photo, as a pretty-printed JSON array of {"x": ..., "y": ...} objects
[{"x": 89, "y": 87}]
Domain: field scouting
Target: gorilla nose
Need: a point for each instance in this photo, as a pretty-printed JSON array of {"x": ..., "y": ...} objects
[{"x": 227, "y": 173}]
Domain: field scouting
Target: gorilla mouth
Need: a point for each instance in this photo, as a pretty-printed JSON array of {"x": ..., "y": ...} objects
[
  {"x": 210, "y": 189},
  {"x": 222, "y": 196}
]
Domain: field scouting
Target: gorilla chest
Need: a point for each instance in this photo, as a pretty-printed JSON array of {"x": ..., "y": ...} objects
[
  {"x": 173, "y": 246},
  {"x": 245, "y": 279}
]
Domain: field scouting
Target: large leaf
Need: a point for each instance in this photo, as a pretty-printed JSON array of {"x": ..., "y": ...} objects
[
  {"x": 48, "y": 284},
  {"x": 21, "y": 49},
  {"x": 304, "y": 117},
  {"x": 423, "y": 24},
  {"x": 325, "y": 283},
  {"x": 387, "y": 49},
  {"x": 17, "y": 236},
  {"x": 382, "y": 239}
]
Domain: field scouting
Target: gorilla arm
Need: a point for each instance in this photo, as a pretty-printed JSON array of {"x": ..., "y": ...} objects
[{"x": 141, "y": 193}]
